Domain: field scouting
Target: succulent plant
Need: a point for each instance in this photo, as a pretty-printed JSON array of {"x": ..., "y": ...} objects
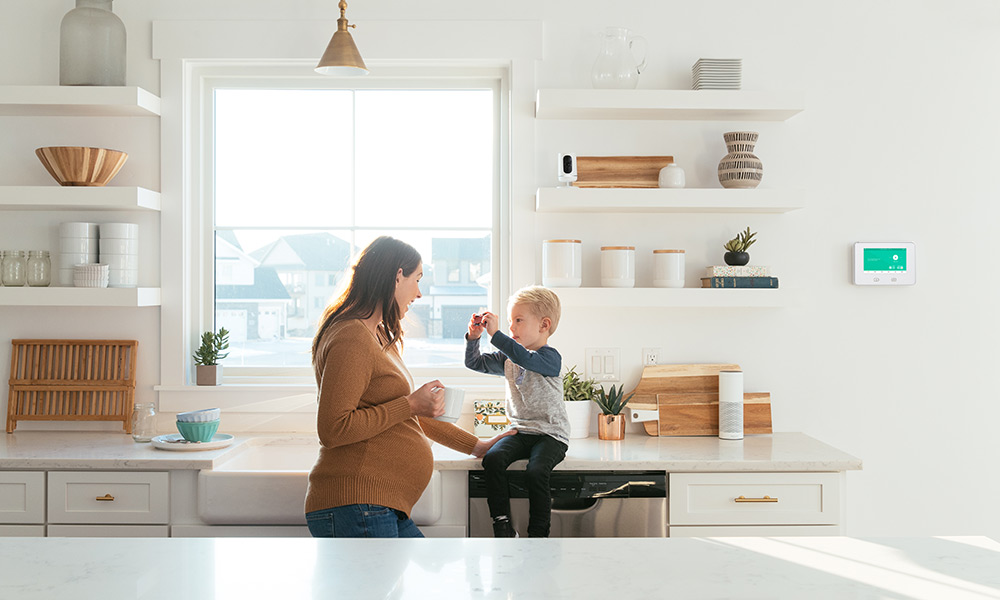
[
  {"x": 575, "y": 388},
  {"x": 741, "y": 242},
  {"x": 612, "y": 402},
  {"x": 212, "y": 345}
]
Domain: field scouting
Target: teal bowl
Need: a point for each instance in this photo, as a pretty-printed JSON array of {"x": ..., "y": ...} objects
[{"x": 198, "y": 432}]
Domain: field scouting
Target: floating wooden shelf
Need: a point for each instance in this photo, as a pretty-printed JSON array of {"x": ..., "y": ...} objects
[
  {"x": 77, "y": 101},
  {"x": 674, "y": 297},
  {"x": 656, "y": 200},
  {"x": 74, "y": 296},
  {"x": 681, "y": 105},
  {"x": 56, "y": 197}
]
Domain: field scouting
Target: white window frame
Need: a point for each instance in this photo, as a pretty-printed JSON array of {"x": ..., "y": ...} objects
[{"x": 189, "y": 50}]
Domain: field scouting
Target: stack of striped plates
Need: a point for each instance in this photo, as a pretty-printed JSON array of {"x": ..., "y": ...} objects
[{"x": 717, "y": 74}]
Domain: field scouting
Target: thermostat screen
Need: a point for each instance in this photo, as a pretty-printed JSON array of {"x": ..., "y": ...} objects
[{"x": 885, "y": 259}]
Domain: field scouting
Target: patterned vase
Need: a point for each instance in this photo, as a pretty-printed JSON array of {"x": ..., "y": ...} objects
[{"x": 740, "y": 168}]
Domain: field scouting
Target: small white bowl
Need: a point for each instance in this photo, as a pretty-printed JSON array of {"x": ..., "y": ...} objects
[
  {"x": 88, "y": 230},
  {"x": 90, "y": 282},
  {"x": 200, "y": 416},
  {"x": 120, "y": 230}
]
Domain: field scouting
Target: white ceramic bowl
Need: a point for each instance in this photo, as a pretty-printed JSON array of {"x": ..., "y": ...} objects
[
  {"x": 78, "y": 245},
  {"x": 88, "y": 230},
  {"x": 68, "y": 261},
  {"x": 121, "y": 262},
  {"x": 90, "y": 282},
  {"x": 124, "y": 279},
  {"x": 99, "y": 269},
  {"x": 200, "y": 416},
  {"x": 118, "y": 246},
  {"x": 120, "y": 230}
]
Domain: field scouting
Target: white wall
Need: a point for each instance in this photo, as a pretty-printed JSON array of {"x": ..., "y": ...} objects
[{"x": 896, "y": 143}]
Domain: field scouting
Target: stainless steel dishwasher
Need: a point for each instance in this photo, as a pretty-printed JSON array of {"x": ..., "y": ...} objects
[{"x": 584, "y": 504}]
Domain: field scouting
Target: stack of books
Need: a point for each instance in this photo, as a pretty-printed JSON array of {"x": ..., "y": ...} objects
[
  {"x": 717, "y": 74},
  {"x": 726, "y": 276}
]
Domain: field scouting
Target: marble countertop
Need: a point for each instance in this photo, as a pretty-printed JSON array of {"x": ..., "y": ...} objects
[
  {"x": 957, "y": 568},
  {"x": 772, "y": 452}
]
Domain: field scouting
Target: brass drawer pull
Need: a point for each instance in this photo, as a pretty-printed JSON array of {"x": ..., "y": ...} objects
[
  {"x": 764, "y": 499},
  {"x": 105, "y": 498}
]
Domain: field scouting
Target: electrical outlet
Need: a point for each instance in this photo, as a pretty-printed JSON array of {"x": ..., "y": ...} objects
[
  {"x": 603, "y": 364},
  {"x": 650, "y": 356}
]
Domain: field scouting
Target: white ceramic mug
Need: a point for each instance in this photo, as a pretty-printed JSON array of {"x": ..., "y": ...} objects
[
  {"x": 617, "y": 266},
  {"x": 454, "y": 398}
]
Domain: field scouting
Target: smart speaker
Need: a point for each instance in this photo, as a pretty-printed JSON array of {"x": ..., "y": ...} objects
[{"x": 731, "y": 405}]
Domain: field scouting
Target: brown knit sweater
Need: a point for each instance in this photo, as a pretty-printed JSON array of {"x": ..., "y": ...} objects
[{"x": 372, "y": 450}]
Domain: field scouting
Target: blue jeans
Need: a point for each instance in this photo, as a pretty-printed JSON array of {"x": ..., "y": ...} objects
[{"x": 361, "y": 521}]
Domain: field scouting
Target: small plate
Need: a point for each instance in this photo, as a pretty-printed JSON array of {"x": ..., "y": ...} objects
[{"x": 175, "y": 441}]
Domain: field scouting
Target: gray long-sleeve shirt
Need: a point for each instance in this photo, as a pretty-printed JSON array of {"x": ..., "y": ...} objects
[{"x": 534, "y": 386}]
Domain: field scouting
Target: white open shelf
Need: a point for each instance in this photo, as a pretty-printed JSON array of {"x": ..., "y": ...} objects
[
  {"x": 674, "y": 297},
  {"x": 56, "y": 197},
  {"x": 74, "y": 296},
  {"x": 695, "y": 105},
  {"x": 656, "y": 200},
  {"x": 77, "y": 101}
]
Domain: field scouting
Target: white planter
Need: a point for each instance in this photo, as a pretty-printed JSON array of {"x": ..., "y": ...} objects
[{"x": 581, "y": 415}]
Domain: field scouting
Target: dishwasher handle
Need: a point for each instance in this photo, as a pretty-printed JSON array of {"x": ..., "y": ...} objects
[
  {"x": 624, "y": 487},
  {"x": 570, "y": 506}
]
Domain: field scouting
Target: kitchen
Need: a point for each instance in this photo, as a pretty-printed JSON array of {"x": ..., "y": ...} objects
[{"x": 863, "y": 370}]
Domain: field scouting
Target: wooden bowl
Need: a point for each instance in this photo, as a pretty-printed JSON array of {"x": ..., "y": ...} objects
[{"x": 77, "y": 165}]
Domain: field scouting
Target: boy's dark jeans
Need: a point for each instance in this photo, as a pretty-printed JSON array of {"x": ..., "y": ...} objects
[{"x": 543, "y": 453}]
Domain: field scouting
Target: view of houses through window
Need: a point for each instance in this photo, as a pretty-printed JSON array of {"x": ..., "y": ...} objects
[{"x": 286, "y": 233}]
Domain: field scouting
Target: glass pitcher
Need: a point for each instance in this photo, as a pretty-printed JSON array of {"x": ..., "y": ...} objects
[{"x": 616, "y": 66}]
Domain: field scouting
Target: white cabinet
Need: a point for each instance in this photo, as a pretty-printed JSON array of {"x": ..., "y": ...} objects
[
  {"x": 22, "y": 498},
  {"x": 122, "y": 531},
  {"x": 78, "y": 101},
  {"x": 108, "y": 498},
  {"x": 755, "y": 504}
]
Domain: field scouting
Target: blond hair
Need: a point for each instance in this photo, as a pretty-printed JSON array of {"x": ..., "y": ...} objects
[{"x": 541, "y": 301}]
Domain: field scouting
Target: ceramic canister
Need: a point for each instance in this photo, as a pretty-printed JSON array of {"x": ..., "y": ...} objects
[
  {"x": 562, "y": 263},
  {"x": 668, "y": 268},
  {"x": 617, "y": 266}
]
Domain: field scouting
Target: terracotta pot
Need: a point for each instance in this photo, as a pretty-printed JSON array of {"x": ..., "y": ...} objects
[
  {"x": 208, "y": 374},
  {"x": 611, "y": 427}
]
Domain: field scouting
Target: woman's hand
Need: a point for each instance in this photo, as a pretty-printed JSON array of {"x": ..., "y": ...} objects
[
  {"x": 483, "y": 447},
  {"x": 427, "y": 400}
]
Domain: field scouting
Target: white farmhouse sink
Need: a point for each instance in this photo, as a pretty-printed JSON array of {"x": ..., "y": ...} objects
[{"x": 265, "y": 484}]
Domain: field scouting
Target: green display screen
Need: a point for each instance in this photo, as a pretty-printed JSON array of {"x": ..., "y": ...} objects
[{"x": 885, "y": 259}]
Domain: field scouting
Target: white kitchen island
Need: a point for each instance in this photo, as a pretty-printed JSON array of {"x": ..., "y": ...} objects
[{"x": 795, "y": 568}]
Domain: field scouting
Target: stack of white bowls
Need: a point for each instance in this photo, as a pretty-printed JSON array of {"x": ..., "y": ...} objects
[
  {"x": 77, "y": 245},
  {"x": 120, "y": 251},
  {"x": 90, "y": 275}
]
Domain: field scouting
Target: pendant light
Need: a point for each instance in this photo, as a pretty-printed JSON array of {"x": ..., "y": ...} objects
[{"x": 342, "y": 56}]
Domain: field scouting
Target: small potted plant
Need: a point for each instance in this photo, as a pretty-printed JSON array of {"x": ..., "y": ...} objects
[
  {"x": 737, "y": 247},
  {"x": 578, "y": 392},
  {"x": 208, "y": 355},
  {"x": 611, "y": 424}
]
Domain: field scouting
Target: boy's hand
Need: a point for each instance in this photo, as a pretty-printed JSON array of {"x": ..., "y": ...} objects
[
  {"x": 492, "y": 322},
  {"x": 476, "y": 326},
  {"x": 483, "y": 446}
]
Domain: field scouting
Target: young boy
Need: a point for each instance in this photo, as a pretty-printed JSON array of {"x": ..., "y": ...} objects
[{"x": 534, "y": 404}]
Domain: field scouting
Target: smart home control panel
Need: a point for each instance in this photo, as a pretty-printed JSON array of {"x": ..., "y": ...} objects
[{"x": 885, "y": 263}]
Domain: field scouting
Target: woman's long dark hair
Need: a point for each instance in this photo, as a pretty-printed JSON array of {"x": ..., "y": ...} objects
[{"x": 372, "y": 285}]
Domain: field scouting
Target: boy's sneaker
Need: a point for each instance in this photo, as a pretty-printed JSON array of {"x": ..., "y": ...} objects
[{"x": 502, "y": 528}]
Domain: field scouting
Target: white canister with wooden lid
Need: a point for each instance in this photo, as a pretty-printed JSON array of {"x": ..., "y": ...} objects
[
  {"x": 617, "y": 266},
  {"x": 562, "y": 263},
  {"x": 668, "y": 268}
]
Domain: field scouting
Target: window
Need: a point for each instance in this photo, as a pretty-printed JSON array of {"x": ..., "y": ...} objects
[{"x": 304, "y": 177}]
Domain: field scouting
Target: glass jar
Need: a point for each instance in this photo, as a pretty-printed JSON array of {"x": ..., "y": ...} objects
[
  {"x": 143, "y": 422},
  {"x": 2, "y": 255},
  {"x": 92, "y": 45},
  {"x": 15, "y": 268},
  {"x": 39, "y": 268}
]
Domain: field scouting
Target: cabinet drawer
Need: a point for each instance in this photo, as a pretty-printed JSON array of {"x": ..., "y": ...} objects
[
  {"x": 22, "y": 497},
  {"x": 108, "y": 497},
  {"x": 22, "y": 531},
  {"x": 109, "y": 531},
  {"x": 755, "y": 498}
]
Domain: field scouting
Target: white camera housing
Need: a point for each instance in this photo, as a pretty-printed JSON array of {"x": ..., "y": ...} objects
[{"x": 567, "y": 168}]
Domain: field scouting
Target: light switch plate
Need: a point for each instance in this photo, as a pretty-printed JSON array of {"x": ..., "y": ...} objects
[{"x": 603, "y": 364}]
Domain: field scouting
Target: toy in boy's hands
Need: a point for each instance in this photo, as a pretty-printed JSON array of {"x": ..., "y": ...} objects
[{"x": 477, "y": 320}]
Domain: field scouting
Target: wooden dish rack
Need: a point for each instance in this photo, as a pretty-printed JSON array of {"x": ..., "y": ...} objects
[{"x": 72, "y": 380}]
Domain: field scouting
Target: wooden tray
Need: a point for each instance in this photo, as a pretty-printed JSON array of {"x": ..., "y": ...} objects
[
  {"x": 686, "y": 398},
  {"x": 620, "y": 171},
  {"x": 72, "y": 380}
]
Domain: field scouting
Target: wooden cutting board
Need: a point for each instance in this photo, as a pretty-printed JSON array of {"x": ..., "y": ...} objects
[
  {"x": 687, "y": 400},
  {"x": 619, "y": 171}
]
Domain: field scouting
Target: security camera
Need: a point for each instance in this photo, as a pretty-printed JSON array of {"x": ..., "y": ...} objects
[{"x": 567, "y": 168}]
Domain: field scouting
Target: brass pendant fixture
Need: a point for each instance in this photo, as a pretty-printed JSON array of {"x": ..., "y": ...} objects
[{"x": 342, "y": 56}]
